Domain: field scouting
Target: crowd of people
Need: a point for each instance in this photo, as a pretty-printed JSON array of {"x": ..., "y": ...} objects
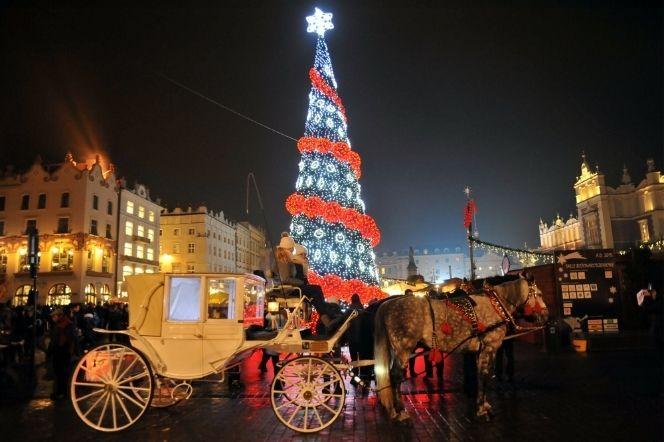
[{"x": 62, "y": 333}]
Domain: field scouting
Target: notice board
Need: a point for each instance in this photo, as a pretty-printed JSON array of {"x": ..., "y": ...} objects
[{"x": 587, "y": 283}]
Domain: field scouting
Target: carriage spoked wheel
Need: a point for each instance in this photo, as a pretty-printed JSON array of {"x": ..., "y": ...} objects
[
  {"x": 111, "y": 387},
  {"x": 168, "y": 392},
  {"x": 308, "y": 394}
]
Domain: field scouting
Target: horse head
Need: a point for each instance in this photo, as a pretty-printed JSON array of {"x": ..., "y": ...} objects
[{"x": 533, "y": 306}]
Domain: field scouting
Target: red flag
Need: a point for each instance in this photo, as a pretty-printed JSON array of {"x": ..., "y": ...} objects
[{"x": 469, "y": 212}]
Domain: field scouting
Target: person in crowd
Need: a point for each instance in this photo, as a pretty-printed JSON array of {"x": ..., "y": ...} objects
[
  {"x": 300, "y": 258},
  {"x": 61, "y": 351},
  {"x": 653, "y": 309},
  {"x": 273, "y": 322},
  {"x": 288, "y": 275},
  {"x": 354, "y": 333}
]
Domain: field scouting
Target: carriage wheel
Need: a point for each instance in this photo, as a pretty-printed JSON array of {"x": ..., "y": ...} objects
[
  {"x": 111, "y": 387},
  {"x": 168, "y": 392},
  {"x": 308, "y": 394}
]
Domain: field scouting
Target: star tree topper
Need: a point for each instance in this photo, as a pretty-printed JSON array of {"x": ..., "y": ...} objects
[{"x": 319, "y": 22}]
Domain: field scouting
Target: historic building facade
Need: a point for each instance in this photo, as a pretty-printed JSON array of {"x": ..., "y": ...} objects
[
  {"x": 607, "y": 217},
  {"x": 198, "y": 240},
  {"x": 258, "y": 250},
  {"x": 437, "y": 265},
  {"x": 73, "y": 205},
  {"x": 138, "y": 233}
]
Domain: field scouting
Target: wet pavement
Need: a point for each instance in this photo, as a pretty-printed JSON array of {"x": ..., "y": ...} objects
[{"x": 565, "y": 396}]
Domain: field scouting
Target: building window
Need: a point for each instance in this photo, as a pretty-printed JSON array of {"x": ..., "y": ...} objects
[
  {"x": 2, "y": 203},
  {"x": 139, "y": 270},
  {"x": 90, "y": 294},
  {"x": 59, "y": 294},
  {"x": 91, "y": 259},
  {"x": 192, "y": 231},
  {"x": 41, "y": 201},
  {"x": 62, "y": 259},
  {"x": 95, "y": 202},
  {"x": 129, "y": 228},
  {"x": 176, "y": 248},
  {"x": 190, "y": 268},
  {"x": 109, "y": 208},
  {"x": 149, "y": 254},
  {"x": 3, "y": 261},
  {"x": 23, "y": 265},
  {"x": 139, "y": 251},
  {"x": 93, "y": 227},
  {"x": 127, "y": 249},
  {"x": 130, "y": 207},
  {"x": 64, "y": 200},
  {"x": 176, "y": 232},
  {"x": 151, "y": 216},
  {"x": 25, "y": 202},
  {"x": 127, "y": 271},
  {"x": 63, "y": 225},
  {"x": 644, "y": 230},
  {"x": 109, "y": 234},
  {"x": 141, "y": 212},
  {"x": 105, "y": 292},
  {"x": 140, "y": 231},
  {"x": 161, "y": 232},
  {"x": 151, "y": 235},
  {"x": 21, "y": 295},
  {"x": 106, "y": 261},
  {"x": 191, "y": 248},
  {"x": 30, "y": 226},
  {"x": 2, "y": 228}
]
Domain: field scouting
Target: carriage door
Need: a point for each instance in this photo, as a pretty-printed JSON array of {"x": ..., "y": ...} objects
[
  {"x": 222, "y": 330},
  {"x": 181, "y": 346}
]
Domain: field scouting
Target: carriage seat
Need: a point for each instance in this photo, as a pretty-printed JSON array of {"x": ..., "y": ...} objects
[{"x": 258, "y": 333}]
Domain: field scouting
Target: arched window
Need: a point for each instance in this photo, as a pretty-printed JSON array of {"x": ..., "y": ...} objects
[
  {"x": 90, "y": 294},
  {"x": 105, "y": 292},
  {"x": 3, "y": 260},
  {"x": 62, "y": 258},
  {"x": 59, "y": 294},
  {"x": 21, "y": 295}
]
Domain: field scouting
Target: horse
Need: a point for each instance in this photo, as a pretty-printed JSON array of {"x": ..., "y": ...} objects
[{"x": 448, "y": 325}]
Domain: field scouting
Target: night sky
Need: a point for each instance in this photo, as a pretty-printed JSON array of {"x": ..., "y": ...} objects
[{"x": 502, "y": 99}]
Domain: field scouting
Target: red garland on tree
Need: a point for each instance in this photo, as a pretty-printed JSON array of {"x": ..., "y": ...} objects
[
  {"x": 340, "y": 150},
  {"x": 333, "y": 212}
]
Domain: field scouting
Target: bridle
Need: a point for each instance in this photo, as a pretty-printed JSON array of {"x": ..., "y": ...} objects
[{"x": 509, "y": 317}]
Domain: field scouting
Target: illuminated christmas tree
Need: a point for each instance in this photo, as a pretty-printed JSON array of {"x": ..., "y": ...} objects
[{"x": 328, "y": 213}]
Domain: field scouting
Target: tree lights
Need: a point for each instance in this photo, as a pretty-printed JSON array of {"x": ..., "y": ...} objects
[{"x": 328, "y": 211}]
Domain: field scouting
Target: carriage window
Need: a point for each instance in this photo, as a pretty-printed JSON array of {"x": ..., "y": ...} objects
[
  {"x": 254, "y": 298},
  {"x": 185, "y": 299},
  {"x": 221, "y": 296}
]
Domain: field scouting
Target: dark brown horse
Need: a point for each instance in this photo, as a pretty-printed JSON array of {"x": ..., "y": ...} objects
[{"x": 447, "y": 325}]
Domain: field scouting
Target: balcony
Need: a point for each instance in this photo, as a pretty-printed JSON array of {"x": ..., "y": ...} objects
[
  {"x": 139, "y": 260},
  {"x": 98, "y": 274},
  {"x": 141, "y": 239}
]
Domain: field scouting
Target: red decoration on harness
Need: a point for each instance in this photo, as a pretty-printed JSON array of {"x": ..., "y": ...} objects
[
  {"x": 481, "y": 326},
  {"x": 527, "y": 310},
  {"x": 435, "y": 356},
  {"x": 446, "y": 328}
]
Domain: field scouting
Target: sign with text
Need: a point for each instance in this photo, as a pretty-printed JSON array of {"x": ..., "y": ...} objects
[{"x": 587, "y": 283}]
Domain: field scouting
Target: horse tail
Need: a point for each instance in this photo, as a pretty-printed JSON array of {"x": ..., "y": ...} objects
[{"x": 382, "y": 359}]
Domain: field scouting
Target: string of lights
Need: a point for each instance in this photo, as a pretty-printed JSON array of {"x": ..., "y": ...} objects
[{"x": 526, "y": 257}]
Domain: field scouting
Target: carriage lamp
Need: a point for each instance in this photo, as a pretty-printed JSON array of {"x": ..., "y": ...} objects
[{"x": 273, "y": 306}]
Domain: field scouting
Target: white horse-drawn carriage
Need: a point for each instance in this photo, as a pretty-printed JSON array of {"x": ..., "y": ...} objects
[{"x": 185, "y": 327}]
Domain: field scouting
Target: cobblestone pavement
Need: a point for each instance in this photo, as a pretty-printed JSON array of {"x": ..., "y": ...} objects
[{"x": 566, "y": 396}]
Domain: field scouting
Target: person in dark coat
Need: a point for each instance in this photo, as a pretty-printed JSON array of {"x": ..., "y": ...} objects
[{"x": 61, "y": 350}]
